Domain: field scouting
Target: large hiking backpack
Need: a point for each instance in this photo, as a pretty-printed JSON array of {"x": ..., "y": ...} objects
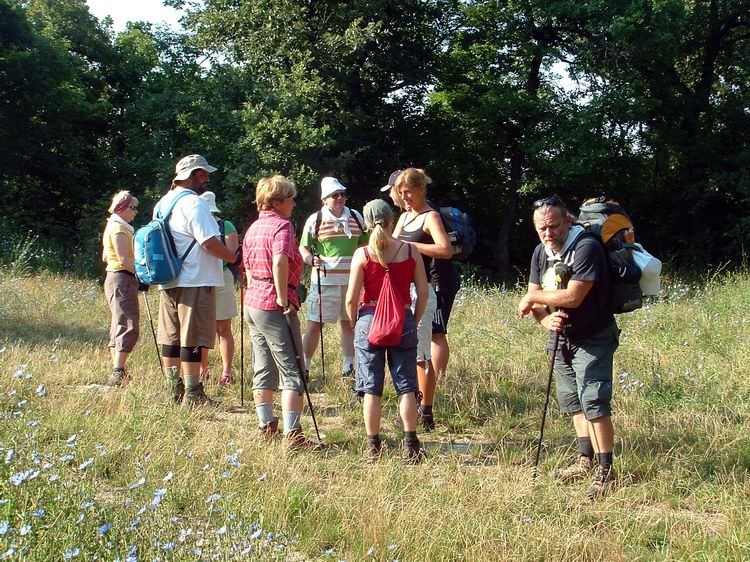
[
  {"x": 610, "y": 224},
  {"x": 459, "y": 228},
  {"x": 156, "y": 258}
]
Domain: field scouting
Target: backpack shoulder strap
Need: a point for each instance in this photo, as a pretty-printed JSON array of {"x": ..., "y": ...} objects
[
  {"x": 179, "y": 196},
  {"x": 318, "y": 220},
  {"x": 355, "y": 214}
]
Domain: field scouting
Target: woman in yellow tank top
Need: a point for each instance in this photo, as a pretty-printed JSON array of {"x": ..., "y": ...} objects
[{"x": 121, "y": 285}]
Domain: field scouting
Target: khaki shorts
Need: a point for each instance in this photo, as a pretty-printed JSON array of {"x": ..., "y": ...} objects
[
  {"x": 187, "y": 316},
  {"x": 226, "y": 298},
  {"x": 334, "y": 304},
  {"x": 424, "y": 328}
]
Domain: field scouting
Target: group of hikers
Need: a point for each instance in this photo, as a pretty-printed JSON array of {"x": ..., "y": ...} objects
[{"x": 354, "y": 257}]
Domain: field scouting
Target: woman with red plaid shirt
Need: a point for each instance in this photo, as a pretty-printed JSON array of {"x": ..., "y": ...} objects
[{"x": 274, "y": 268}]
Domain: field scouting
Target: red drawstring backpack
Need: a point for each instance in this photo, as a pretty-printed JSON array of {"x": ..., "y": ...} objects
[{"x": 387, "y": 324}]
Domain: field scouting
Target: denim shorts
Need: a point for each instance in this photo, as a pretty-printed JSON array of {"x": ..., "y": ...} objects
[
  {"x": 371, "y": 359},
  {"x": 583, "y": 374}
]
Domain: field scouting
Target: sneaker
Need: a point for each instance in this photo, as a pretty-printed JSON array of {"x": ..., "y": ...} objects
[
  {"x": 295, "y": 442},
  {"x": 195, "y": 396},
  {"x": 118, "y": 378},
  {"x": 373, "y": 451},
  {"x": 270, "y": 430},
  {"x": 413, "y": 452},
  {"x": 580, "y": 469},
  {"x": 603, "y": 483}
]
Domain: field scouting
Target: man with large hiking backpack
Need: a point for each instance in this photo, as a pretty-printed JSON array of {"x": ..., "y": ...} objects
[
  {"x": 329, "y": 239},
  {"x": 578, "y": 313},
  {"x": 187, "y": 305}
]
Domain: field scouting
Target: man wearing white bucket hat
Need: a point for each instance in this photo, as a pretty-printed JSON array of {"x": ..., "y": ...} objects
[
  {"x": 187, "y": 305},
  {"x": 329, "y": 239}
]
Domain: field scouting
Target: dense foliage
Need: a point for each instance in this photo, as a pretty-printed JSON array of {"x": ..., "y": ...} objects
[{"x": 657, "y": 112}]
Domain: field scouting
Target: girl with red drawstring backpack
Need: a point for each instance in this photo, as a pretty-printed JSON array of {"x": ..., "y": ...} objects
[{"x": 379, "y": 282}]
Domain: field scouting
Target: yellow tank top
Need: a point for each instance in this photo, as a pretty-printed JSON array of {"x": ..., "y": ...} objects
[{"x": 112, "y": 228}]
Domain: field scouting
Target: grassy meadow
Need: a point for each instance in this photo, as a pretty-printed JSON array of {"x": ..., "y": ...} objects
[{"x": 91, "y": 473}]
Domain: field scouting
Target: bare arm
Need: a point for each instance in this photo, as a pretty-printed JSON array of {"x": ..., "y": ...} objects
[
  {"x": 232, "y": 241},
  {"x": 356, "y": 279},
  {"x": 281, "y": 280},
  {"x": 122, "y": 250},
  {"x": 214, "y": 247}
]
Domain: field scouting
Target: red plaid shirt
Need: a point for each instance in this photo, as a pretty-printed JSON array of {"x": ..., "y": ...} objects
[{"x": 269, "y": 236}]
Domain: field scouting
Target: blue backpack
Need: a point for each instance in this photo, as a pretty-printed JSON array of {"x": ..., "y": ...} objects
[{"x": 156, "y": 259}]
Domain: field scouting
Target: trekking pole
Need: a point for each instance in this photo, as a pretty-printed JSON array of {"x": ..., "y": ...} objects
[
  {"x": 555, "y": 343},
  {"x": 301, "y": 365},
  {"x": 242, "y": 336},
  {"x": 320, "y": 316},
  {"x": 153, "y": 333},
  {"x": 562, "y": 274}
]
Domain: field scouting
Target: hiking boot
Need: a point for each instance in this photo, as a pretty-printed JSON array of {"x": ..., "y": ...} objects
[
  {"x": 425, "y": 421},
  {"x": 580, "y": 469},
  {"x": 413, "y": 452},
  {"x": 295, "y": 442},
  {"x": 175, "y": 384},
  {"x": 373, "y": 451},
  {"x": 118, "y": 378},
  {"x": 603, "y": 483},
  {"x": 270, "y": 430},
  {"x": 195, "y": 396}
]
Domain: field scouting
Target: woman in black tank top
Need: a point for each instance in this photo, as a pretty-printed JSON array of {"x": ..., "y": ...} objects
[{"x": 421, "y": 226}]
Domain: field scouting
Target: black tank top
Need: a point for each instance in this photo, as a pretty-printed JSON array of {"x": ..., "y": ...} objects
[{"x": 420, "y": 236}]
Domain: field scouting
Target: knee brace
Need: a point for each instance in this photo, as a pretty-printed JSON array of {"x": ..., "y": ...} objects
[
  {"x": 171, "y": 351},
  {"x": 190, "y": 354}
]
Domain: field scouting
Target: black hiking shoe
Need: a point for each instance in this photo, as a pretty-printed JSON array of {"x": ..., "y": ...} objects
[
  {"x": 412, "y": 452},
  {"x": 195, "y": 396},
  {"x": 118, "y": 378},
  {"x": 603, "y": 483},
  {"x": 425, "y": 421}
]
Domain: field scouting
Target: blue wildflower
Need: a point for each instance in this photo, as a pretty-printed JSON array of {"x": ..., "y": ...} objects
[
  {"x": 138, "y": 484},
  {"x": 39, "y": 512},
  {"x": 66, "y": 458},
  {"x": 87, "y": 505},
  {"x": 9, "y": 455},
  {"x": 72, "y": 553},
  {"x": 104, "y": 529},
  {"x": 4, "y": 527},
  {"x": 222, "y": 530},
  {"x": 213, "y": 497},
  {"x": 84, "y": 465},
  {"x": 168, "y": 477},
  {"x": 256, "y": 534},
  {"x": 41, "y": 391},
  {"x": 168, "y": 546},
  {"x": 24, "y": 530}
]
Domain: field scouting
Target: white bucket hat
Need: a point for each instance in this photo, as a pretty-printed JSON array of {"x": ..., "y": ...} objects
[
  {"x": 186, "y": 166},
  {"x": 330, "y": 185},
  {"x": 210, "y": 196}
]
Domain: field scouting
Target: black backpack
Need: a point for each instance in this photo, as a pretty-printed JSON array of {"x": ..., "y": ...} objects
[
  {"x": 459, "y": 228},
  {"x": 609, "y": 223}
]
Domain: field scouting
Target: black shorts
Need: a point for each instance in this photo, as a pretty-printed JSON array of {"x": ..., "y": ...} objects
[{"x": 447, "y": 282}]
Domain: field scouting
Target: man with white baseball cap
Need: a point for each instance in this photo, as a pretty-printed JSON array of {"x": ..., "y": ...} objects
[
  {"x": 329, "y": 239},
  {"x": 187, "y": 305}
]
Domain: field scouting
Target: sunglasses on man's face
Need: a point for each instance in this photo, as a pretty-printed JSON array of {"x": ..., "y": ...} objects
[
  {"x": 549, "y": 202},
  {"x": 337, "y": 195}
]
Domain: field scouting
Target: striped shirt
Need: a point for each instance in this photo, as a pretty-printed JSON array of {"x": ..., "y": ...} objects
[
  {"x": 334, "y": 247},
  {"x": 269, "y": 236}
]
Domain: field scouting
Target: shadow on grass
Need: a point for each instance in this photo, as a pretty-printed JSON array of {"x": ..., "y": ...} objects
[{"x": 46, "y": 333}]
